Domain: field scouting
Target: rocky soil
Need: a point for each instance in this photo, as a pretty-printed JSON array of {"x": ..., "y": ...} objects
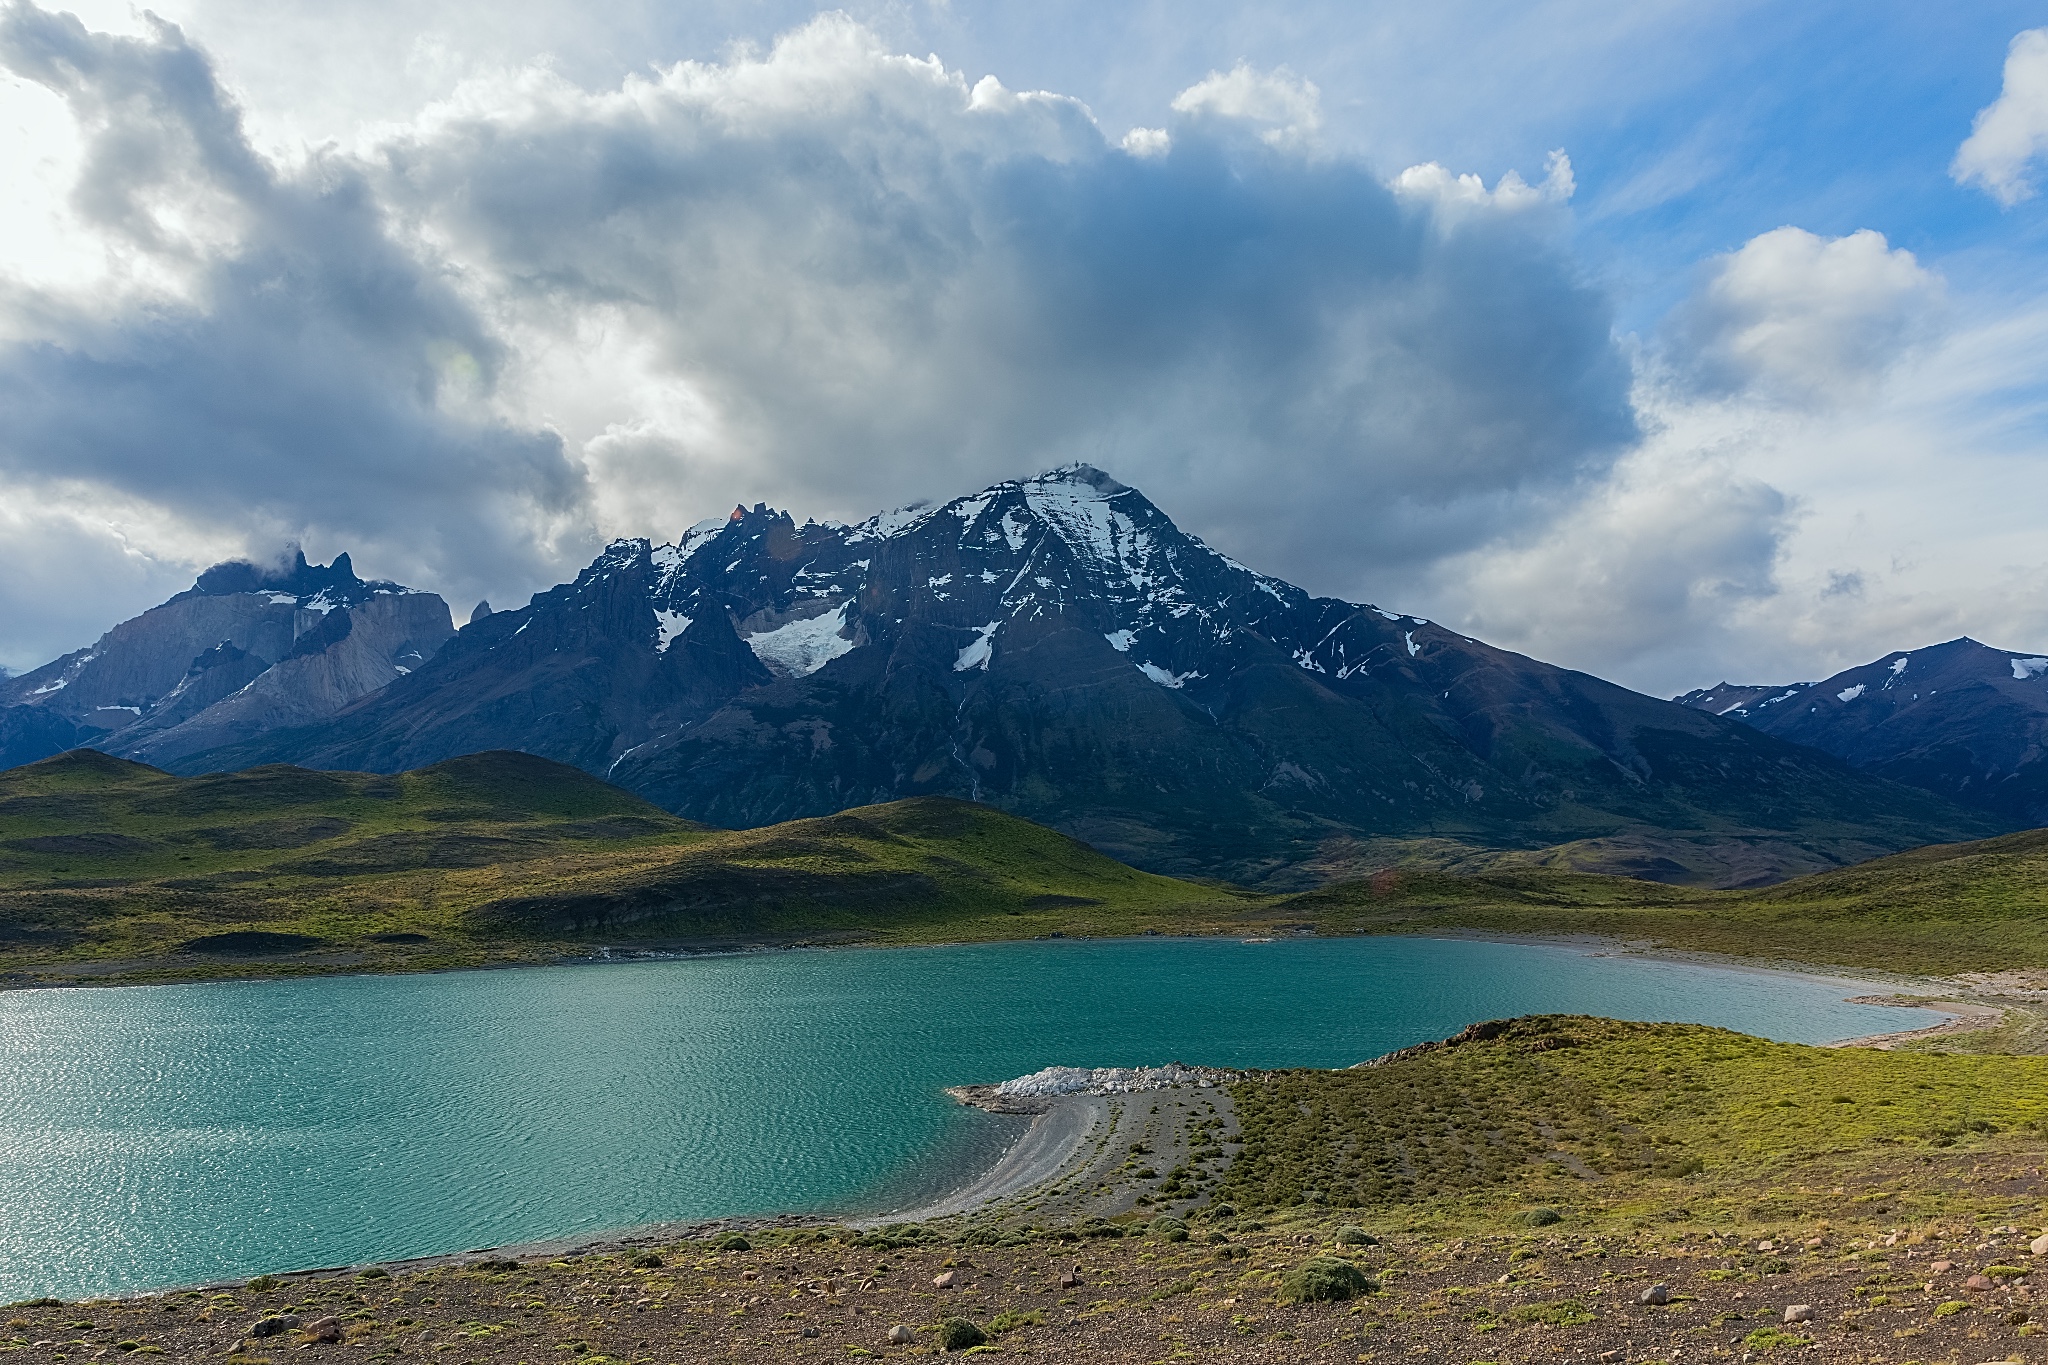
[{"x": 1946, "y": 1290}]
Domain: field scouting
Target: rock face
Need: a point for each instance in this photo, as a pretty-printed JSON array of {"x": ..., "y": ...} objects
[
  {"x": 245, "y": 651},
  {"x": 1961, "y": 719},
  {"x": 1057, "y": 647}
]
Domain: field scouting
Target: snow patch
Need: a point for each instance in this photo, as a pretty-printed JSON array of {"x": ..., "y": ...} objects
[
  {"x": 1121, "y": 640},
  {"x": 47, "y": 688},
  {"x": 668, "y": 625},
  {"x": 1899, "y": 664},
  {"x": 1850, "y": 693},
  {"x": 669, "y": 558},
  {"x": 977, "y": 652},
  {"x": 1388, "y": 614},
  {"x": 1413, "y": 648},
  {"x": 801, "y": 648},
  {"x": 1164, "y": 678},
  {"x": 2028, "y": 668}
]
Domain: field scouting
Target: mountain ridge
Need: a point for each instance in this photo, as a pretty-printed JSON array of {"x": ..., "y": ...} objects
[
  {"x": 1057, "y": 647},
  {"x": 1959, "y": 718}
]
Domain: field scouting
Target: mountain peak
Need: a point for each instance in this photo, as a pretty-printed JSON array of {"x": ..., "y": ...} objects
[{"x": 1080, "y": 474}]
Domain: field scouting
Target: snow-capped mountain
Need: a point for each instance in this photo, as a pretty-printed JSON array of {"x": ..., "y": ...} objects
[
  {"x": 245, "y": 650},
  {"x": 1961, "y": 718},
  {"x": 1056, "y": 646}
]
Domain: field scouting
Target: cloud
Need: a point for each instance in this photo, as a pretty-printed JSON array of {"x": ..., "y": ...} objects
[
  {"x": 1287, "y": 108},
  {"x": 822, "y": 274},
  {"x": 2011, "y": 131},
  {"x": 290, "y": 372},
  {"x": 1798, "y": 319},
  {"x": 1646, "y": 575},
  {"x": 866, "y": 280}
]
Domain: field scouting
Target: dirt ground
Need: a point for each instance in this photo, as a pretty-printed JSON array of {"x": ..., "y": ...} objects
[{"x": 1519, "y": 1294}]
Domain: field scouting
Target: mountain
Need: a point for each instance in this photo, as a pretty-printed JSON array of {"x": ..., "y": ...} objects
[
  {"x": 1961, "y": 719},
  {"x": 1058, "y": 648},
  {"x": 245, "y": 650}
]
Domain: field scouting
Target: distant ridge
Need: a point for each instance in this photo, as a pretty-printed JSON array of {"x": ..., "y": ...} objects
[
  {"x": 1960, "y": 719},
  {"x": 247, "y": 649}
]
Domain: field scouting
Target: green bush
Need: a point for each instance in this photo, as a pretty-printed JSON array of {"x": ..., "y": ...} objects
[
  {"x": 1010, "y": 1319},
  {"x": 648, "y": 1260},
  {"x": 1352, "y": 1235},
  {"x": 261, "y": 1284},
  {"x": 732, "y": 1241},
  {"x": 958, "y": 1334},
  {"x": 375, "y": 1272},
  {"x": 1541, "y": 1218},
  {"x": 1324, "y": 1279}
]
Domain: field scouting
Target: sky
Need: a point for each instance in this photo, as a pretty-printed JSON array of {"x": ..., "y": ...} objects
[{"x": 1671, "y": 341}]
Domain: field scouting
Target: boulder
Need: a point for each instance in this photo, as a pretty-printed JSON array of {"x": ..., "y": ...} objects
[
  {"x": 1979, "y": 1282},
  {"x": 272, "y": 1325},
  {"x": 322, "y": 1329},
  {"x": 1657, "y": 1295},
  {"x": 1799, "y": 1312},
  {"x": 2039, "y": 1246},
  {"x": 1942, "y": 1267},
  {"x": 945, "y": 1279},
  {"x": 899, "y": 1335}
]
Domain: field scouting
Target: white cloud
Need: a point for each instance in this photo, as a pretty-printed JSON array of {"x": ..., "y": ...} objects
[
  {"x": 2011, "y": 131},
  {"x": 823, "y": 274},
  {"x": 1450, "y": 193},
  {"x": 1801, "y": 319},
  {"x": 1289, "y": 108}
]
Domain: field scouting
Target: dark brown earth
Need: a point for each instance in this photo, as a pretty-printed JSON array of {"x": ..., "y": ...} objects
[{"x": 1517, "y": 1294}]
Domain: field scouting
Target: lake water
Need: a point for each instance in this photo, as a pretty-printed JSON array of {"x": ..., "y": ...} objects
[{"x": 166, "y": 1135}]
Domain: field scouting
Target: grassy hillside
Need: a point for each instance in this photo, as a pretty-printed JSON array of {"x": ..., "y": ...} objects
[
  {"x": 1596, "y": 1114},
  {"x": 1946, "y": 908},
  {"x": 111, "y": 867}
]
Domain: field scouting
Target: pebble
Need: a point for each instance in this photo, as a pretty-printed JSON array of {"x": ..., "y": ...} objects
[
  {"x": 1942, "y": 1267},
  {"x": 1799, "y": 1312},
  {"x": 2039, "y": 1246},
  {"x": 944, "y": 1280},
  {"x": 1656, "y": 1295},
  {"x": 1767, "y": 1245},
  {"x": 1979, "y": 1282}
]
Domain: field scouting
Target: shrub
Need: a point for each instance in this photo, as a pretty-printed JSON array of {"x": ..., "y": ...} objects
[
  {"x": 1324, "y": 1279},
  {"x": 261, "y": 1284},
  {"x": 732, "y": 1241},
  {"x": 648, "y": 1260},
  {"x": 958, "y": 1334},
  {"x": 1352, "y": 1235},
  {"x": 1541, "y": 1218},
  {"x": 1010, "y": 1319},
  {"x": 375, "y": 1272},
  {"x": 1771, "y": 1338}
]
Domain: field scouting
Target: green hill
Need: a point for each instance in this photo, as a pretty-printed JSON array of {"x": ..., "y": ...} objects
[
  {"x": 1980, "y": 906},
  {"x": 115, "y": 869},
  {"x": 1597, "y": 1116}
]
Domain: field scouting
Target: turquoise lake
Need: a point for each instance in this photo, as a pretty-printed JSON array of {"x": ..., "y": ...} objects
[{"x": 168, "y": 1135}]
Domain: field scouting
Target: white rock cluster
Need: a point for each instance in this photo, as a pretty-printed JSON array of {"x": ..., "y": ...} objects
[{"x": 1109, "y": 1080}]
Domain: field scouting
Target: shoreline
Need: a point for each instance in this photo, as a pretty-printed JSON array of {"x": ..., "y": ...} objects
[{"x": 1070, "y": 1136}]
